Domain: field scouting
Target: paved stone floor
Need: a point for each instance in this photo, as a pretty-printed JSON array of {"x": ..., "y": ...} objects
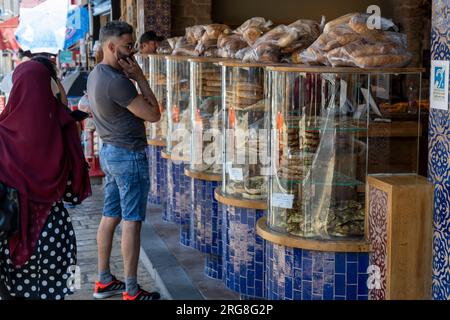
[{"x": 86, "y": 218}]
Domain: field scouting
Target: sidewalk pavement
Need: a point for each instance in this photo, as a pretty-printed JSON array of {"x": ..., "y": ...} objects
[{"x": 86, "y": 218}]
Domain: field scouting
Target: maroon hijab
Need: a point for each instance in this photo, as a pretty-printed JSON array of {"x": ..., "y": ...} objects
[{"x": 39, "y": 149}]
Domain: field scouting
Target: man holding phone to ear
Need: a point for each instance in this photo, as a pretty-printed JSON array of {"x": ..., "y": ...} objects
[{"x": 119, "y": 112}]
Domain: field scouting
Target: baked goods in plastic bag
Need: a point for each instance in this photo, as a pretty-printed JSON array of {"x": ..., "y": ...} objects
[
  {"x": 184, "y": 48},
  {"x": 361, "y": 23},
  {"x": 229, "y": 45},
  {"x": 256, "y": 22},
  {"x": 194, "y": 33},
  {"x": 265, "y": 52},
  {"x": 252, "y": 34},
  {"x": 164, "y": 48},
  {"x": 213, "y": 31}
]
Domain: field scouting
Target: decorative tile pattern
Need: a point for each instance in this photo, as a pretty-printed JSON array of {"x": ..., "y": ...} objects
[
  {"x": 296, "y": 274},
  {"x": 206, "y": 222},
  {"x": 158, "y": 16},
  {"x": 439, "y": 162},
  {"x": 244, "y": 252},
  {"x": 157, "y": 167},
  {"x": 378, "y": 205},
  {"x": 178, "y": 194}
]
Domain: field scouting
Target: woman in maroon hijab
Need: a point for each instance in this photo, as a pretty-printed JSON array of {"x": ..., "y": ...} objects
[{"x": 41, "y": 157}]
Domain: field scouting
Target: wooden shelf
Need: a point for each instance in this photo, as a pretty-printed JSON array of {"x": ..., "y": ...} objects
[
  {"x": 203, "y": 176},
  {"x": 206, "y": 59},
  {"x": 156, "y": 142},
  {"x": 240, "y": 203},
  {"x": 324, "y": 69},
  {"x": 309, "y": 244},
  {"x": 178, "y": 58},
  {"x": 238, "y": 63}
]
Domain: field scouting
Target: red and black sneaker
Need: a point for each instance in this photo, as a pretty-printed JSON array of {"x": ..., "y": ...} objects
[
  {"x": 142, "y": 295},
  {"x": 103, "y": 291}
]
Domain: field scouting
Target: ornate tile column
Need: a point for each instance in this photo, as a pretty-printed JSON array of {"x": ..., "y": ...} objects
[
  {"x": 439, "y": 160},
  {"x": 157, "y": 16}
]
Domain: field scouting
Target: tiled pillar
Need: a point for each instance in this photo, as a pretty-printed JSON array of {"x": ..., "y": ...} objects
[
  {"x": 178, "y": 193},
  {"x": 158, "y": 188},
  {"x": 157, "y": 16},
  {"x": 439, "y": 160}
]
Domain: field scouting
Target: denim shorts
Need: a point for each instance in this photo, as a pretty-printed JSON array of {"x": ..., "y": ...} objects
[{"x": 127, "y": 182}]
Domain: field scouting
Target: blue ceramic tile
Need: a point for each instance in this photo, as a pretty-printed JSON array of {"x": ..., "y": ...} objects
[
  {"x": 288, "y": 289},
  {"x": 352, "y": 273},
  {"x": 339, "y": 281},
  {"x": 352, "y": 257},
  {"x": 363, "y": 262},
  {"x": 297, "y": 280},
  {"x": 352, "y": 292},
  {"x": 317, "y": 297},
  {"x": 339, "y": 298},
  {"x": 340, "y": 263},
  {"x": 328, "y": 291},
  {"x": 362, "y": 284},
  {"x": 307, "y": 290},
  {"x": 317, "y": 283},
  {"x": 297, "y": 258},
  {"x": 258, "y": 288},
  {"x": 258, "y": 268},
  {"x": 297, "y": 295},
  {"x": 307, "y": 254},
  {"x": 318, "y": 263},
  {"x": 364, "y": 298},
  {"x": 307, "y": 269}
]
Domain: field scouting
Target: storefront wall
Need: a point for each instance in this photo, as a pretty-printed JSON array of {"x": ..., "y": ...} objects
[{"x": 439, "y": 156}]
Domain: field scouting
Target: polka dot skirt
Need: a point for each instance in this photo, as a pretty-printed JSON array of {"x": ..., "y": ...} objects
[{"x": 47, "y": 274}]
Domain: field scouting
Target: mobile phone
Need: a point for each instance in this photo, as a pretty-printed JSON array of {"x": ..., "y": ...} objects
[{"x": 79, "y": 115}]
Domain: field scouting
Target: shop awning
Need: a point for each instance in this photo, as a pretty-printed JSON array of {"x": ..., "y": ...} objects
[
  {"x": 30, "y": 3},
  {"x": 7, "y": 38}
]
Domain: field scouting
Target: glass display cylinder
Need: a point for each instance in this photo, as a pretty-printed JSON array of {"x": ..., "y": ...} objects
[
  {"x": 245, "y": 131},
  {"x": 178, "y": 107},
  {"x": 206, "y": 116},
  {"x": 157, "y": 71},
  {"x": 323, "y": 122}
]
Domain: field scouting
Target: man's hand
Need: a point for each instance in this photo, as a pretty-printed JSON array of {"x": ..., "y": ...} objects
[{"x": 131, "y": 69}]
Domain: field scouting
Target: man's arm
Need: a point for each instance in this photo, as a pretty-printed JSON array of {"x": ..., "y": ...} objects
[{"x": 144, "y": 106}]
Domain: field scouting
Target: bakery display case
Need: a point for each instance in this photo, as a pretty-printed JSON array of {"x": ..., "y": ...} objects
[
  {"x": 324, "y": 123},
  {"x": 178, "y": 107},
  {"x": 245, "y": 131},
  {"x": 206, "y": 116},
  {"x": 157, "y": 71}
]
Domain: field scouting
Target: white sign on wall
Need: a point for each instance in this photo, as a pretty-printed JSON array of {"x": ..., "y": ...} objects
[{"x": 439, "y": 84}]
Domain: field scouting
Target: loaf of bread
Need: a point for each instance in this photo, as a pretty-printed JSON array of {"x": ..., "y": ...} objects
[
  {"x": 388, "y": 61},
  {"x": 213, "y": 31},
  {"x": 338, "y": 22},
  {"x": 257, "y": 22},
  {"x": 194, "y": 34},
  {"x": 361, "y": 23},
  {"x": 252, "y": 34}
]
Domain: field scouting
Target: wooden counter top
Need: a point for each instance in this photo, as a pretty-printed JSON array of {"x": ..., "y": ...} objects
[
  {"x": 240, "y": 203},
  {"x": 203, "y": 176}
]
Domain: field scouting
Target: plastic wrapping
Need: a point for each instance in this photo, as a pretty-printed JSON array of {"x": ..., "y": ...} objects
[
  {"x": 229, "y": 45},
  {"x": 359, "y": 23},
  {"x": 214, "y": 31},
  {"x": 184, "y": 48},
  {"x": 164, "y": 48},
  {"x": 195, "y": 33},
  {"x": 251, "y": 35},
  {"x": 256, "y": 22},
  {"x": 265, "y": 52}
]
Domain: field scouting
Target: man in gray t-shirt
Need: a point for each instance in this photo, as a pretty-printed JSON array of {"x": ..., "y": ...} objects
[
  {"x": 119, "y": 113},
  {"x": 111, "y": 92}
]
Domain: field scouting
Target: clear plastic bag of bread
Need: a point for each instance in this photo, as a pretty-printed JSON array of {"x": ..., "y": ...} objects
[
  {"x": 229, "y": 45},
  {"x": 184, "y": 48},
  {"x": 214, "y": 31},
  {"x": 256, "y": 22},
  {"x": 388, "y": 50},
  {"x": 164, "y": 48},
  {"x": 195, "y": 33},
  {"x": 265, "y": 52}
]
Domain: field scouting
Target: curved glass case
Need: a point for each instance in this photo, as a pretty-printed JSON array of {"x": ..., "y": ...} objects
[
  {"x": 157, "y": 71},
  {"x": 323, "y": 122},
  {"x": 178, "y": 107},
  {"x": 206, "y": 116},
  {"x": 245, "y": 131}
]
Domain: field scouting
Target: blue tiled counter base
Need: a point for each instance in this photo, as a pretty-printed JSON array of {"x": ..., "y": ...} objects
[
  {"x": 178, "y": 193},
  {"x": 243, "y": 252},
  {"x": 297, "y": 274},
  {"x": 207, "y": 225},
  {"x": 214, "y": 266},
  {"x": 157, "y": 166},
  {"x": 186, "y": 216}
]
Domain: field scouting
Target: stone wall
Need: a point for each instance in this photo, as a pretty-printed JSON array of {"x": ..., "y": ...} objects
[{"x": 187, "y": 13}]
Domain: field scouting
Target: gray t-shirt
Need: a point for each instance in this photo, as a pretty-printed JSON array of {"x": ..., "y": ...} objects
[{"x": 110, "y": 92}]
